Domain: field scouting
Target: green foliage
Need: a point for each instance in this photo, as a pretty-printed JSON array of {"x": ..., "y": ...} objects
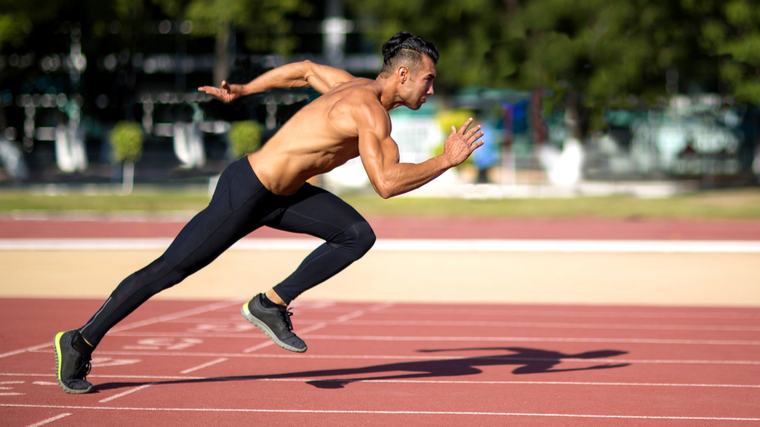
[
  {"x": 18, "y": 18},
  {"x": 608, "y": 53},
  {"x": 127, "y": 141},
  {"x": 245, "y": 137},
  {"x": 265, "y": 22}
]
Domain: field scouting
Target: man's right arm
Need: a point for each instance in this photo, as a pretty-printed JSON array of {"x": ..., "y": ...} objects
[
  {"x": 295, "y": 75},
  {"x": 380, "y": 154}
]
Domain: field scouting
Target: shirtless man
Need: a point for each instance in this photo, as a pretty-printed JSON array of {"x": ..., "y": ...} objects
[{"x": 269, "y": 188}]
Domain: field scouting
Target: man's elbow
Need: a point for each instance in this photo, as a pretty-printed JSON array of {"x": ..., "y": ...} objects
[{"x": 384, "y": 191}]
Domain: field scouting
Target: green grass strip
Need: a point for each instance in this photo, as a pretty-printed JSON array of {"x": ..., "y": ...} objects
[{"x": 724, "y": 204}]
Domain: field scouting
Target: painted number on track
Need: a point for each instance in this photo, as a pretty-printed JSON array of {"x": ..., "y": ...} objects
[{"x": 164, "y": 344}]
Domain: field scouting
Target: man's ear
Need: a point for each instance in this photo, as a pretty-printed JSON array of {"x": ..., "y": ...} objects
[{"x": 403, "y": 73}]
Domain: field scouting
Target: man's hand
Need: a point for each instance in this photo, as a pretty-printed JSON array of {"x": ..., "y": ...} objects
[
  {"x": 227, "y": 93},
  {"x": 462, "y": 142}
]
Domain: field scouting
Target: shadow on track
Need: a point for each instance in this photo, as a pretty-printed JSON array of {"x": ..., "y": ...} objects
[{"x": 530, "y": 361}]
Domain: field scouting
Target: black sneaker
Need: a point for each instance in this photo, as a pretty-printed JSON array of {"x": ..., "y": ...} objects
[
  {"x": 71, "y": 367},
  {"x": 274, "y": 322}
]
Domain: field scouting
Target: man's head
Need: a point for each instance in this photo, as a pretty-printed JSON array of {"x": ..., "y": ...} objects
[
  {"x": 406, "y": 49},
  {"x": 409, "y": 62}
]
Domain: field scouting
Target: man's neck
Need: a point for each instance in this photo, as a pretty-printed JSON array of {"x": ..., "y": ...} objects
[{"x": 388, "y": 96}]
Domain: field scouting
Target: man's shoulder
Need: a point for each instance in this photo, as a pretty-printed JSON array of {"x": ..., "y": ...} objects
[{"x": 359, "y": 97}]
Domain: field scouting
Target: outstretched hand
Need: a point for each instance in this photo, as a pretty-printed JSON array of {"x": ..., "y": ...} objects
[
  {"x": 462, "y": 142},
  {"x": 227, "y": 93}
]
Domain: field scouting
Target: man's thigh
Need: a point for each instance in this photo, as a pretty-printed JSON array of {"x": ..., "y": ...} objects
[{"x": 316, "y": 212}]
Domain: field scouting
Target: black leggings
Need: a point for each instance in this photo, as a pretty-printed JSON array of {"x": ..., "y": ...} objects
[{"x": 240, "y": 205}]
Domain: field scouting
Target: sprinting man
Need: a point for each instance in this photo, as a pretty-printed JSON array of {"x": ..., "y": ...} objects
[{"x": 269, "y": 188}]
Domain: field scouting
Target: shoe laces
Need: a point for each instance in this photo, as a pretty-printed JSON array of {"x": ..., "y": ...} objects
[
  {"x": 83, "y": 367},
  {"x": 285, "y": 313}
]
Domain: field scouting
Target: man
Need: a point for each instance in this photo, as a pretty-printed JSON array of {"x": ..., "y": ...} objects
[{"x": 269, "y": 188}]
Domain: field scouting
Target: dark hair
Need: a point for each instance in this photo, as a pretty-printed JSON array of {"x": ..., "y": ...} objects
[{"x": 404, "y": 48}]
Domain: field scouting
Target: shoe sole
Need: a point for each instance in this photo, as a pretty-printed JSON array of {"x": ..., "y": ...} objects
[
  {"x": 266, "y": 330},
  {"x": 58, "y": 357}
]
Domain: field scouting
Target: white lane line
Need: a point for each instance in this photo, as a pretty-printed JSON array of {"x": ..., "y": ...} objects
[
  {"x": 11, "y": 394},
  {"x": 567, "y": 325},
  {"x": 259, "y": 346},
  {"x": 83, "y": 244},
  {"x": 533, "y": 339},
  {"x": 312, "y": 328},
  {"x": 573, "y": 246},
  {"x": 416, "y": 412},
  {"x": 429, "y": 358},
  {"x": 49, "y": 420},
  {"x": 157, "y": 378},
  {"x": 28, "y": 349},
  {"x": 510, "y": 310},
  {"x": 349, "y": 316},
  {"x": 564, "y": 325},
  {"x": 462, "y": 339},
  {"x": 413, "y": 245},
  {"x": 116, "y": 396},
  {"x": 174, "y": 316},
  {"x": 205, "y": 365},
  {"x": 381, "y": 306}
]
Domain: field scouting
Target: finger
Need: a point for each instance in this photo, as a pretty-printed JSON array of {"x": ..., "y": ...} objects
[
  {"x": 465, "y": 125},
  {"x": 476, "y": 137},
  {"x": 475, "y": 129},
  {"x": 475, "y": 145}
]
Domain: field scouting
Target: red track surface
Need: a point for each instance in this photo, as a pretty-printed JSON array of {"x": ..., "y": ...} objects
[{"x": 200, "y": 363}]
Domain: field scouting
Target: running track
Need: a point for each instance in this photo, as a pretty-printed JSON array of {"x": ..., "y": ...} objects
[{"x": 201, "y": 363}]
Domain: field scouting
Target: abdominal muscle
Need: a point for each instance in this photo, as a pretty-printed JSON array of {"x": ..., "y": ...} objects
[{"x": 288, "y": 160}]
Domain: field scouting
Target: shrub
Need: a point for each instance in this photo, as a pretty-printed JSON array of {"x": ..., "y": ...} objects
[
  {"x": 245, "y": 138},
  {"x": 127, "y": 141}
]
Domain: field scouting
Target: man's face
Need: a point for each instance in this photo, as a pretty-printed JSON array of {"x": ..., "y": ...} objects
[{"x": 419, "y": 85}]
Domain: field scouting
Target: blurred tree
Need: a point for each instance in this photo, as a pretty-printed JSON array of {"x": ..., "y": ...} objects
[
  {"x": 265, "y": 24},
  {"x": 589, "y": 54},
  {"x": 17, "y": 19},
  {"x": 730, "y": 33},
  {"x": 127, "y": 139}
]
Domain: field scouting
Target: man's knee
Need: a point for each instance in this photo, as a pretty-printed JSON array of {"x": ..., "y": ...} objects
[
  {"x": 365, "y": 236},
  {"x": 359, "y": 238}
]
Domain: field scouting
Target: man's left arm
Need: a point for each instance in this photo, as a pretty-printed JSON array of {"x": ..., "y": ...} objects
[{"x": 295, "y": 75}]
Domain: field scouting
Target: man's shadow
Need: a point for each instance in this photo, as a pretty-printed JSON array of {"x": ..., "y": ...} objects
[{"x": 530, "y": 361}]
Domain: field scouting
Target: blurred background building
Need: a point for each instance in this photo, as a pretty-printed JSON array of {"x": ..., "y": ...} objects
[{"x": 571, "y": 96}]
